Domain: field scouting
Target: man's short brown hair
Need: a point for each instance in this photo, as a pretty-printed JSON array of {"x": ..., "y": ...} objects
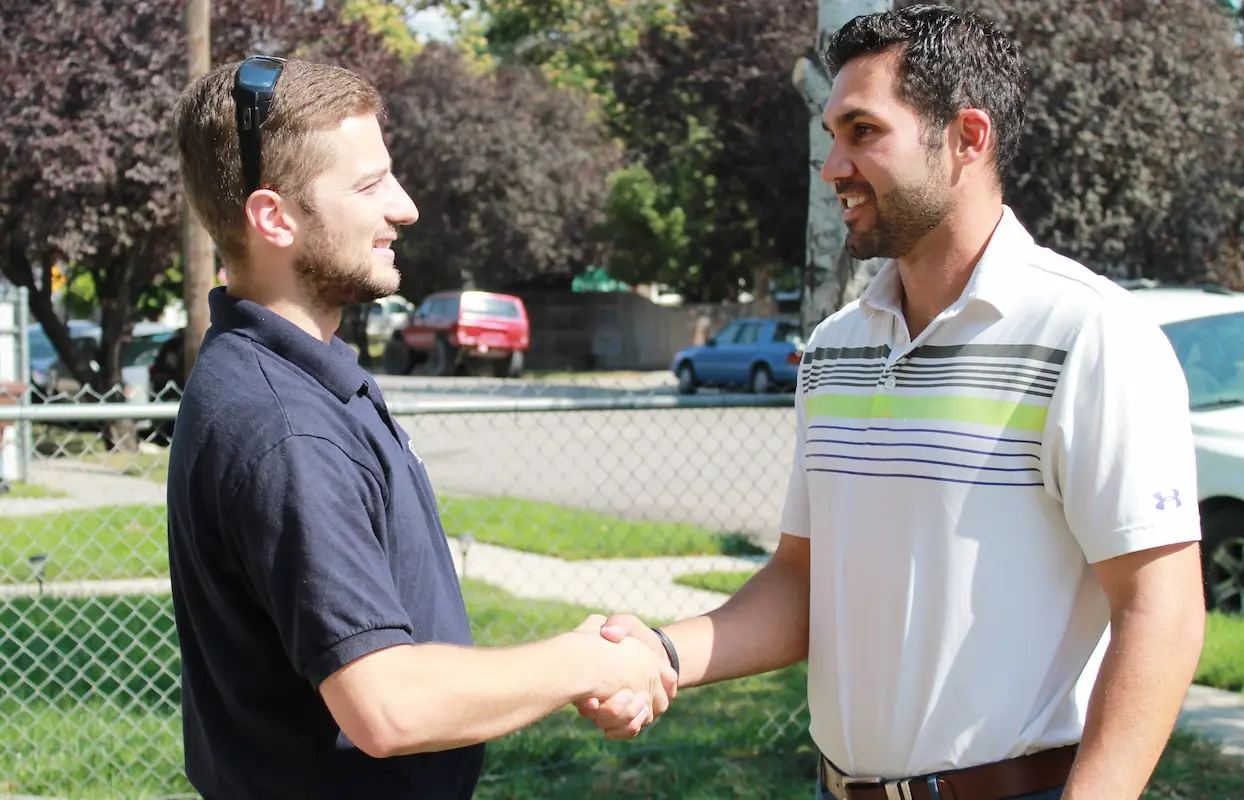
[{"x": 309, "y": 98}]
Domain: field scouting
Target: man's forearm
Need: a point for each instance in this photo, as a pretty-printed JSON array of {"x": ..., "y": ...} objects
[
  {"x": 1140, "y": 688},
  {"x": 763, "y": 627},
  {"x": 425, "y": 698},
  {"x": 475, "y": 695}
]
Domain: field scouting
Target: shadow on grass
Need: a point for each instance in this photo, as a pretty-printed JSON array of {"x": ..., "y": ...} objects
[
  {"x": 60, "y": 651},
  {"x": 739, "y": 544}
]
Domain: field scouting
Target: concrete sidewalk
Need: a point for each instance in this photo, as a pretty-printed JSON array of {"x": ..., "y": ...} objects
[
  {"x": 83, "y": 486},
  {"x": 1215, "y": 715}
]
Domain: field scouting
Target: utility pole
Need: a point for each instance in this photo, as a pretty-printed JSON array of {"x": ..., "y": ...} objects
[{"x": 197, "y": 260}]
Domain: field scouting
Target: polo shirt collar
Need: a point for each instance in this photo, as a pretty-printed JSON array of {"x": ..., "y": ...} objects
[
  {"x": 334, "y": 365},
  {"x": 992, "y": 280}
]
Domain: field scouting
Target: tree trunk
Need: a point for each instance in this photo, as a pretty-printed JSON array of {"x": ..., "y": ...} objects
[
  {"x": 831, "y": 276},
  {"x": 115, "y": 290},
  {"x": 18, "y": 269}
]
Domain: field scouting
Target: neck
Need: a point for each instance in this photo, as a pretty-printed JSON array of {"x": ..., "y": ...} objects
[
  {"x": 317, "y": 320},
  {"x": 937, "y": 269}
]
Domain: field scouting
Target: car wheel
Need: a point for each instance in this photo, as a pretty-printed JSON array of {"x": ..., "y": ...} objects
[
  {"x": 762, "y": 381},
  {"x": 397, "y": 357},
  {"x": 686, "y": 379},
  {"x": 511, "y": 367},
  {"x": 1222, "y": 559},
  {"x": 442, "y": 361}
]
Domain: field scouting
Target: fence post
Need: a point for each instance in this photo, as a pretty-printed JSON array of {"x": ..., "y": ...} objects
[
  {"x": 24, "y": 450},
  {"x": 10, "y": 378}
]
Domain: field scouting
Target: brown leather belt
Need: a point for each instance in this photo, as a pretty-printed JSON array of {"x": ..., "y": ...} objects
[{"x": 1029, "y": 774}]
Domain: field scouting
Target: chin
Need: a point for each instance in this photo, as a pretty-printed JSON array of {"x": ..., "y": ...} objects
[{"x": 388, "y": 278}]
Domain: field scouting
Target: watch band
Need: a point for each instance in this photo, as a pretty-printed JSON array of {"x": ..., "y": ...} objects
[{"x": 669, "y": 648}]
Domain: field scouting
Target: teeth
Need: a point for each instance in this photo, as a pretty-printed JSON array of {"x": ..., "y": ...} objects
[{"x": 852, "y": 202}]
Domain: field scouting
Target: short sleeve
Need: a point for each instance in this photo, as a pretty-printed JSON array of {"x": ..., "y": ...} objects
[
  {"x": 1118, "y": 447},
  {"x": 796, "y": 513},
  {"x": 306, "y": 528}
]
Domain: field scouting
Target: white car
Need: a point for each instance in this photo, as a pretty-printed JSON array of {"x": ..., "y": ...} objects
[{"x": 1206, "y": 327}]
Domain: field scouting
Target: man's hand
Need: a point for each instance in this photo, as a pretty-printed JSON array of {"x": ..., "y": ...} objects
[
  {"x": 615, "y": 715},
  {"x": 763, "y": 627},
  {"x": 625, "y": 711}
]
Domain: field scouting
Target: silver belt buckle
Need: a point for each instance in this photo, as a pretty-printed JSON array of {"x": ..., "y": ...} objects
[
  {"x": 837, "y": 782},
  {"x": 898, "y": 790}
]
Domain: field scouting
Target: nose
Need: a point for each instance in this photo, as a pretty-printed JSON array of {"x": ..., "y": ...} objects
[
  {"x": 837, "y": 166},
  {"x": 403, "y": 210}
]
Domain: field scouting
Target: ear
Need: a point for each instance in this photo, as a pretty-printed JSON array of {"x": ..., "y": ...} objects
[
  {"x": 268, "y": 213},
  {"x": 971, "y": 137}
]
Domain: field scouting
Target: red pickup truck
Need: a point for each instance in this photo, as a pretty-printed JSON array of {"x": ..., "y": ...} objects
[{"x": 451, "y": 329}]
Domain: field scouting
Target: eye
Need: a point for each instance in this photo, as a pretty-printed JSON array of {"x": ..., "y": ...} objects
[{"x": 862, "y": 129}]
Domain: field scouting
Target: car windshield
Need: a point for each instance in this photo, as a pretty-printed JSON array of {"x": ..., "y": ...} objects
[
  {"x": 141, "y": 350},
  {"x": 1211, "y": 352},
  {"x": 790, "y": 334}
]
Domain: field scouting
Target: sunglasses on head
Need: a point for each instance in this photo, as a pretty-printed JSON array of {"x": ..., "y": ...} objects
[{"x": 254, "y": 85}]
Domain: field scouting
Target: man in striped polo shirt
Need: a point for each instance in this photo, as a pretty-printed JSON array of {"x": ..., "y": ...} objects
[{"x": 993, "y": 468}]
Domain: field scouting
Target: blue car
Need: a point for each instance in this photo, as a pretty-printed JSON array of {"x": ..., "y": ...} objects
[
  {"x": 44, "y": 358},
  {"x": 755, "y": 353}
]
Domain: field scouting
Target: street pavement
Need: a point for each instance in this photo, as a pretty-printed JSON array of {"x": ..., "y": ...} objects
[{"x": 722, "y": 468}]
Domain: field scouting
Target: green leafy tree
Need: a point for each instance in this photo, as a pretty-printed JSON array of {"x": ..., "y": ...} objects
[
  {"x": 509, "y": 175},
  {"x": 712, "y": 114},
  {"x": 1131, "y": 159},
  {"x": 574, "y": 43},
  {"x": 650, "y": 229}
]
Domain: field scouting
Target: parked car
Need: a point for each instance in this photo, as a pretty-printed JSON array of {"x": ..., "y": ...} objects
[
  {"x": 450, "y": 330},
  {"x": 43, "y": 356},
  {"x": 756, "y": 353},
  {"x": 387, "y": 315},
  {"x": 1206, "y": 327}
]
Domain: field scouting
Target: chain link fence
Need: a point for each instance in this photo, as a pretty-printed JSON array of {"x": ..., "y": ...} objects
[{"x": 560, "y": 498}]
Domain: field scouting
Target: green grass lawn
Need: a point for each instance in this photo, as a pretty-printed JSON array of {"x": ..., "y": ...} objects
[
  {"x": 724, "y": 581},
  {"x": 576, "y": 534},
  {"x": 18, "y": 489},
  {"x": 1222, "y": 657},
  {"x": 109, "y": 542},
  {"x": 114, "y": 542},
  {"x": 89, "y": 698}
]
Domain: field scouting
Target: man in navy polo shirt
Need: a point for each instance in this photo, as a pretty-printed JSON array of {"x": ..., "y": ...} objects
[{"x": 325, "y": 644}]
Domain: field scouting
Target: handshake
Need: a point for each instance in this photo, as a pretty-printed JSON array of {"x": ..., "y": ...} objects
[{"x": 632, "y": 680}]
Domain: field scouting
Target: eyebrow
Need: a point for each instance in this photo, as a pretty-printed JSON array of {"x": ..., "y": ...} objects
[{"x": 847, "y": 117}]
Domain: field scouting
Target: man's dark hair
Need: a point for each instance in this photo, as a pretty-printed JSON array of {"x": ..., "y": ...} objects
[{"x": 949, "y": 60}]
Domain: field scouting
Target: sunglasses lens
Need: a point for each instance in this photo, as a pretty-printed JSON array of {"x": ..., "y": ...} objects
[{"x": 259, "y": 75}]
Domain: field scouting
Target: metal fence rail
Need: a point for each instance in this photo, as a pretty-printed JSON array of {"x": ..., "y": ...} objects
[{"x": 559, "y": 500}]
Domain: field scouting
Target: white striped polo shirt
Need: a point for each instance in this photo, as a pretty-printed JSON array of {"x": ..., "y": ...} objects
[{"x": 956, "y": 489}]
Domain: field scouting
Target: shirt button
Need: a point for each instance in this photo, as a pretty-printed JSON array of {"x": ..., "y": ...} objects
[{"x": 890, "y": 382}]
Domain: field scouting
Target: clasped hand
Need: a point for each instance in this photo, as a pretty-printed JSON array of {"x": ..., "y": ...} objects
[{"x": 626, "y": 712}]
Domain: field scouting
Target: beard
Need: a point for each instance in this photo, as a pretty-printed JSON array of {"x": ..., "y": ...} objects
[
  {"x": 334, "y": 274},
  {"x": 901, "y": 217}
]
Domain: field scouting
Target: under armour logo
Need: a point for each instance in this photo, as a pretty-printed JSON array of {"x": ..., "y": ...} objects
[{"x": 1163, "y": 499}]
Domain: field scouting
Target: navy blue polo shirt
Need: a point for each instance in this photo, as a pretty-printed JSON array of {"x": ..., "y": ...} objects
[{"x": 303, "y": 534}]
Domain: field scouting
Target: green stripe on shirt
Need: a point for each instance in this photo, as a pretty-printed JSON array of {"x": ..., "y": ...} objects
[{"x": 976, "y": 410}]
